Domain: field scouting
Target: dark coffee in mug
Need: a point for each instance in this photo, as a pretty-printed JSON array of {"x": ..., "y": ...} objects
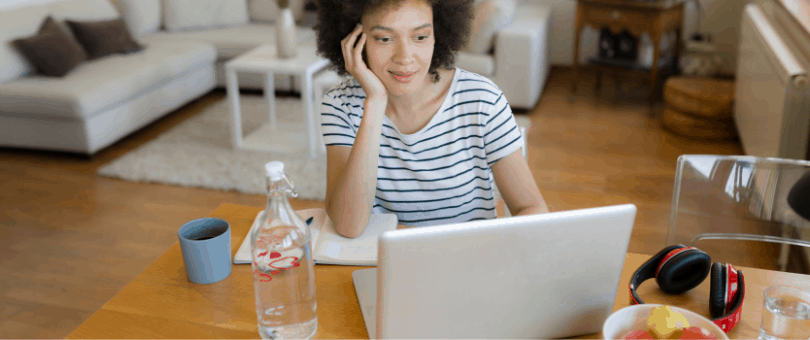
[{"x": 203, "y": 238}]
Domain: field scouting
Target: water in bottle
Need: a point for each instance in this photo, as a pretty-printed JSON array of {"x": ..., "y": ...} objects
[{"x": 283, "y": 271}]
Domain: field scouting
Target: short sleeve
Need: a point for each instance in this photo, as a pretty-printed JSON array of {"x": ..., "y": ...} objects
[
  {"x": 336, "y": 125},
  {"x": 502, "y": 135}
]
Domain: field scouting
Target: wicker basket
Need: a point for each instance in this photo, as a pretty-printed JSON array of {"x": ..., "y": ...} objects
[
  {"x": 693, "y": 126},
  {"x": 703, "y": 97}
]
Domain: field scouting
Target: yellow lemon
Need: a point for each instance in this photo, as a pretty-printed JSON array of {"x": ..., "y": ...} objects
[{"x": 664, "y": 323}]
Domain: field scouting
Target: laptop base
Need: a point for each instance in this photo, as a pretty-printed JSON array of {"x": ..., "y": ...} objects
[{"x": 365, "y": 284}]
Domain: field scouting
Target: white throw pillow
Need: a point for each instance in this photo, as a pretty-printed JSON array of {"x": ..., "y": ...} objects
[
  {"x": 16, "y": 24},
  {"x": 186, "y": 15},
  {"x": 490, "y": 17},
  {"x": 83, "y": 10},
  {"x": 142, "y": 16},
  {"x": 267, "y": 10}
]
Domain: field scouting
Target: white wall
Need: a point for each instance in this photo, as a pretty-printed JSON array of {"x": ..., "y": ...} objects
[
  {"x": 10, "y": 4},
  {"x": 720, "y": 18}
]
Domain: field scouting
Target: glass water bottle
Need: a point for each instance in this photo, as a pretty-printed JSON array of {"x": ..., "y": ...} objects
[{"x": 283, "y": 271}]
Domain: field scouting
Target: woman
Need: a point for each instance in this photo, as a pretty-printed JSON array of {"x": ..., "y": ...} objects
[{"x": 408, "y": 133}]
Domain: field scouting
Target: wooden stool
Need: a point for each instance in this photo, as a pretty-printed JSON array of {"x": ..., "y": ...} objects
[{"x": 699, "y": 107}]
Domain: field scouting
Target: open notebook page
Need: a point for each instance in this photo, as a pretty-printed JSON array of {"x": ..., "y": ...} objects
[
  {"x": 243, "y": 254},
  {"x": 333, "y": 248}
]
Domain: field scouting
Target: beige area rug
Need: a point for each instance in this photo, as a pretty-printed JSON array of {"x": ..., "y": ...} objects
[{"x": 197, "y": 153}]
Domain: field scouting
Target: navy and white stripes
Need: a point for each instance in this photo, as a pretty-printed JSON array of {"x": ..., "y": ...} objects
[{"x": 440, "y": 174}]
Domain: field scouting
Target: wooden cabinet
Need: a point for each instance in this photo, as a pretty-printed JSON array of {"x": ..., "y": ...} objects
[{"x": 637, "y": 17}]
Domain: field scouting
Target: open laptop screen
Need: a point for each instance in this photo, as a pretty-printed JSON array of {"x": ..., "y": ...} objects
[{"x": 543, "y": 276}]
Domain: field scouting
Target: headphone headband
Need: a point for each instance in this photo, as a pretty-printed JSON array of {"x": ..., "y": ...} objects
[
  {"x": 734, "y": 290},
  {"x": 671, "y": 254}
]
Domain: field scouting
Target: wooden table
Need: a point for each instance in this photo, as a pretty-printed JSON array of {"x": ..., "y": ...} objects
[
  {"x": 637, "y": 17},
  {"x": 162, "y": 303}
]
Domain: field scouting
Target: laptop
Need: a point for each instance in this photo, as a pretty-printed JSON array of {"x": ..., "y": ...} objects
[{"x": 543, "y": 276}]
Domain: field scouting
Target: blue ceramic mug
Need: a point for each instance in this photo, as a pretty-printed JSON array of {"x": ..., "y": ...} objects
[{"x": 206, "y": 247}]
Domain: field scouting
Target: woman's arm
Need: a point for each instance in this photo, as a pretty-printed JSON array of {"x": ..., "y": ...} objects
[
  {"x": 516, "y": 184},
  {"x": 351, "y": 181}
]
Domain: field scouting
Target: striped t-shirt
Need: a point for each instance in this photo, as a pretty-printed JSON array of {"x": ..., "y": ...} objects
[{"x": 441, "y": 173}]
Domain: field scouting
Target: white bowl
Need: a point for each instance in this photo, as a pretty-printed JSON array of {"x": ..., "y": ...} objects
[{"x": 628, "y": 319}]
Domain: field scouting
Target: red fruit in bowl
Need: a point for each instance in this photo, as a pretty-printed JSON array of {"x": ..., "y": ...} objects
[
  {"x": 697, "y": 333},
  {"x": 639, "y": 334}
]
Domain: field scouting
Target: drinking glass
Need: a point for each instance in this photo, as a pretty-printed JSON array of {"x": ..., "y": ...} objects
[{"x": 786, "y": 314}]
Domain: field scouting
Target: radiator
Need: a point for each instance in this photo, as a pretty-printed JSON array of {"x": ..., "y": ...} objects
[{"x": 772, "y": 102}]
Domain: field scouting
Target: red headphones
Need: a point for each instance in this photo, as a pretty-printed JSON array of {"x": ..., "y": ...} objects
[{"x": 678, "y": 269}]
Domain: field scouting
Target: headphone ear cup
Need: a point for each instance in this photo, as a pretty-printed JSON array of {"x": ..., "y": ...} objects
[
  {"x": 717, "y": 290},
  {"x": 683, "y": 271}
]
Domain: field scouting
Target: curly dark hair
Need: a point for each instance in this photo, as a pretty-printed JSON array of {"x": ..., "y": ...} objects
[{"x": 452, "y": 21}]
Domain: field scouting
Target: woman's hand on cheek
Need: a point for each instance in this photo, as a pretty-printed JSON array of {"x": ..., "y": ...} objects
[{"x": 353, "y": 55}]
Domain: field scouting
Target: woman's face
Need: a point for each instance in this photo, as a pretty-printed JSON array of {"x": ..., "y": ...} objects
[{"x": 399, "y": 44}]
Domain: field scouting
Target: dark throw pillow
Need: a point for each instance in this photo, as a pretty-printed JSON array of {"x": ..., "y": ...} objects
[
  {"x": 103, "y": 38},
  {"x": 52, "y": 51}
]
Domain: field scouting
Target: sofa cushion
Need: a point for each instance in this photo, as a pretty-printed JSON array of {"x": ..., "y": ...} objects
[
  {"x": 82, "y": 10},
  {"x": 52, "y": 51},
  {"x": 15, "y": 24},
  {"x": 96, "y": 86},
  {"x": 233, "y": 41},
  {"x": 101, "y": 38},
  {"x": 142, "y": 16},
  {"x": 267, "y": 10},
  {"x": 182, "y": 15},
  {"x": 483, "y": 64},
  {"x": 490, "y": 17}
]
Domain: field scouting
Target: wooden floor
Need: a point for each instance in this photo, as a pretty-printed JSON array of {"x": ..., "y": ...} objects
[{"x": 71, "y": 239}]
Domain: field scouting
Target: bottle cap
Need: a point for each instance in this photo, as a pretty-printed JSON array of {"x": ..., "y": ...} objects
[{"x": 274, "y": 170}]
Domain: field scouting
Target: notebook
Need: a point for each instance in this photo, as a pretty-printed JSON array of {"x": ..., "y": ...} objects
[
  {"x": 543, "y": 276},
  {"x": 328, "y": 247}
]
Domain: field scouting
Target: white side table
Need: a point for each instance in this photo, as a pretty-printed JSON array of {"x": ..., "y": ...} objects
[{"x": 263, "y": 60}]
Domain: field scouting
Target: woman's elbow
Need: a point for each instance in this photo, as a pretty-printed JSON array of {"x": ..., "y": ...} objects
[
  {"x": 348, "y": 230},
  {"x": 345, "y": 226}
]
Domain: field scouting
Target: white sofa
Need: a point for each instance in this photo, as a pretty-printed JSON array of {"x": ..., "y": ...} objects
[
  {"x": 229, "y": 40},
  {"x": 103, "y": 100},
  {"x": 519, "y": 63}
]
